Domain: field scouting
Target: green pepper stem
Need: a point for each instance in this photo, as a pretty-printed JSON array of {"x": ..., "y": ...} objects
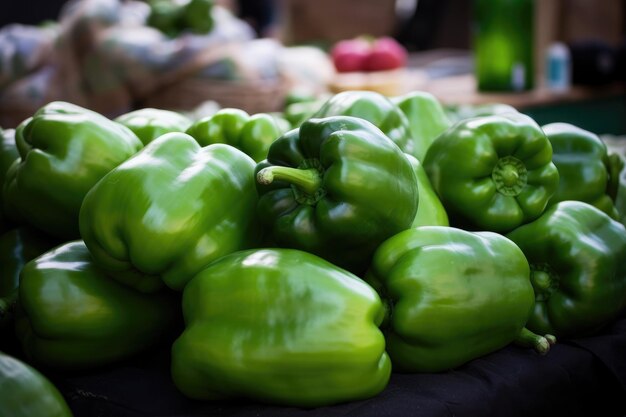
[
  {"x": 510, "y": 177},
  {"x": 308, "y": 180},
  {"x": 541, "y": 280},
  {"x": 7, "y": 307},
  {"x": 541, "y": 344}
]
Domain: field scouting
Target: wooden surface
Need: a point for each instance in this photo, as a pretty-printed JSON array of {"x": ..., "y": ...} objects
[
  {"x": 448, "y": 74},
  {"x": 461, "y": 89}
]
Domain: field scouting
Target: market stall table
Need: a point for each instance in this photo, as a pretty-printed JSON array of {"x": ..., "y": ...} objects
[
  {"x": 584, "y": 377},
  {"x": 448, "y": 75}
]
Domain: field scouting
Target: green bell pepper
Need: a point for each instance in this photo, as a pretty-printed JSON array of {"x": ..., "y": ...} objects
[
  {"x": 576, "y": 254},
  {"x": 251, "y": 134},
  {"x": 298, "y": 112},
  {"x": 615, "y": 171},
  {"x": 8, "y": 155},
  {"x": 258, "y": 134},
  {"x": 299, "y": 95},
  {"x": 280, "y": 120},
  {"x": 452, "y": 296},
  {"x": 224, "y": 126},
  {"x": 64, "y": 150},
  {"x": 308, "y": 335},
  {"x": 430, "y": 211},
  {"x": 17, "y": 247},
  {"x": 170, "y": 210},
  {"x": 336, "y": 187},
  {"x": 8, "y": 152},
  {"x": 24, "y": 392},
  {"x": 71, "y": 315},
  {"x": 148, "y": 124},
  {"x": 375, "y": 108},
  {"x": 427, "y": 119},
  {"x": 618, "y": 185},
  {"x": 584, "y": 167},
  {"x": 492, "y": 173}
]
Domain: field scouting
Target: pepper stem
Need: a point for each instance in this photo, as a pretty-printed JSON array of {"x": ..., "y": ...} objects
[
  {"x": 7, "y": 307},
  {"x": 541, "y": 280},
  {"x": 510, "y": 177},
  {"x": 308, "y": 180},
  {"x": 541, "y": 344}
]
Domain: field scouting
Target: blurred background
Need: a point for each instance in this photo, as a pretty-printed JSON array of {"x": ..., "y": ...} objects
[{"x": 554, "y": 59}]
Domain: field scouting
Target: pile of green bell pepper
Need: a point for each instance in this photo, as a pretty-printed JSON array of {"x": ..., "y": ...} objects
[
  {"x": 253, "y": 135},
  {"x": 149, "y": 124},
  {"x": 310, "y": 261}
]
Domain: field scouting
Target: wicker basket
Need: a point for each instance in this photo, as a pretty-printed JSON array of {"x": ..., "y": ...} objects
[{"x": 252, "y": 96}]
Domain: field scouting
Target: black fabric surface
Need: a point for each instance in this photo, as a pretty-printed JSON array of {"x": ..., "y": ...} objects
[{"x": 585, "y": 377}]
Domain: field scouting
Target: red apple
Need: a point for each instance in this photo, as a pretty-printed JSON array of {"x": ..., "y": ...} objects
[
  {"x": 386, "y": 54},
  {"x": 350, "y": 55}
]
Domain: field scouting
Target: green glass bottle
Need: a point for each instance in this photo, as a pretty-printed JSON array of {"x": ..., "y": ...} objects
[{"x": 503, "y": 44}]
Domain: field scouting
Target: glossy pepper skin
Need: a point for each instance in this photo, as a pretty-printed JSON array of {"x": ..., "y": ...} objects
[
  {"x": 336, "y": 187},
  {"x": 24, "y": 392},
  {"x": 619, "y": 186},
  {"x": 251, "y": 134},
  {"x": 71, "y": 315},
  {"x": 298, "y": 112},
  {"x": 576, "y": 254},
  {"x": 164, "y": 214},
  {"x": 430, "y": 211},
  {"x": 375, "y": 108},
  {"x": 427, "y": 119},
  {"x": 64, "y": 150},
  {"x": 492, "y": 173},
  {"x": 8, "y": 155},
  {"x": 148, "y": 124},
  {"x": 222, "y": 127},
  {"x": 452, "y": 296},
  {"x": 17, "y": 247},
  {"x": 280, "y": 326},
  {"x": 584, "y": 166}
]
